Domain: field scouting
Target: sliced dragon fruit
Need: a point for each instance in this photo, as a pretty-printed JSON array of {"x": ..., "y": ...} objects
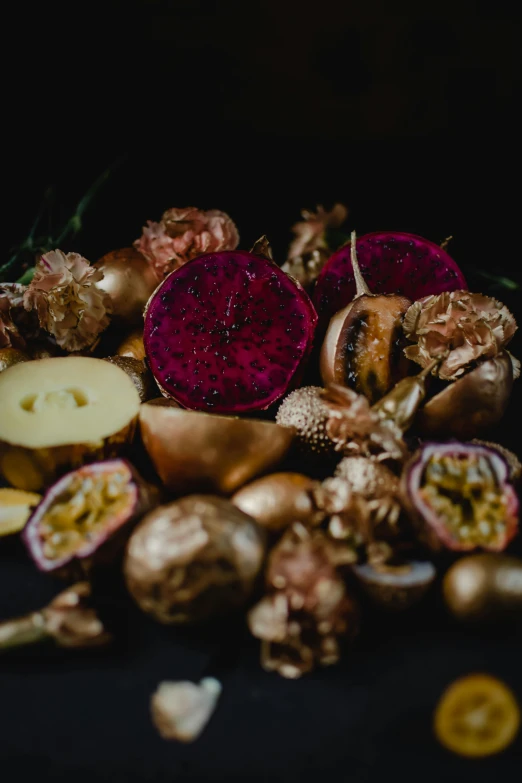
[
  {"x": 392, "y": 262},
  {"x": 228, "y": 332}
]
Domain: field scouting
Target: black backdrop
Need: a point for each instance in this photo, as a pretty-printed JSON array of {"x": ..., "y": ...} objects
[{"x": 405, "y": 112}]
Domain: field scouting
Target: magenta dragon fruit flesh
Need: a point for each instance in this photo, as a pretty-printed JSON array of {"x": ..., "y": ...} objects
[
  {"x": 391, "y": 262},
  {"x": 228, "y": 332}
]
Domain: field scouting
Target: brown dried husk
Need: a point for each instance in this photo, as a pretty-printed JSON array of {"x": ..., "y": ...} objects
[
  {"x": 193, "y": 559},
  {"x": 307, "y": 608}
]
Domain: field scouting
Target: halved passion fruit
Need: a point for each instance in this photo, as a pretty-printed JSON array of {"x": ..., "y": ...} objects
[
  {"x": 59, "y": 413},
  {"x": 82, "y": 511},
  {"x": 461, "y": 495}
]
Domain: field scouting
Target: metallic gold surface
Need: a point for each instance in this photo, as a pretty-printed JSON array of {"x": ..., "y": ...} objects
[
  {"x": 484, "y": 587},
  {"x": 196, "y": 451},
  {"x": 129, "y": 280},
  {"x": 278, "y": 500}
]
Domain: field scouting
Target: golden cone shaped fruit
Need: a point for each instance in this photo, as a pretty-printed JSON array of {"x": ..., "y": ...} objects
[
  {"x": 129, "y": 280},
  {"x": 196, "y": 451}
]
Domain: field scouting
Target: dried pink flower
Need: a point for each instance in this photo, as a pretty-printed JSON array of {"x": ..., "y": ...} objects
[
  {"x": 460, "y": 326},
  {"x": 309, "y": 251},
  {"x": 69, "y": 304},
  {"x": 183, "y": 234}
]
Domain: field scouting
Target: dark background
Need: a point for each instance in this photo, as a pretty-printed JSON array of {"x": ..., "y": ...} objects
[{"x": 407, "y": 113}]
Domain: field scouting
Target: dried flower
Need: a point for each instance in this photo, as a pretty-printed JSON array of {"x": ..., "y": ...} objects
[
  {"x": 181, "y": 710},
  {"x": 183, "y": 234},
  {"x": 356, "y": 429},
  {"x": 69, "y": 620},
  {"x": 16, "y": 325},
  {"x": 307, "y": 607},
  {"x": 69, "y": 304},
  {"x": 460, "y": 326},
  {"x": 309, "y": 251}
]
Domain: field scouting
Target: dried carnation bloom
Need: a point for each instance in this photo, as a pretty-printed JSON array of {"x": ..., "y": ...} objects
[
  {"x": 309, "y": 250},
  {"x": 183, "y": 234},
  {"x": 306, "y": 608},
  {"x": 69, "y": 304},
  {"x": 181, "y": 710},
  {"x": 460, "y": 326},
  {"x": 356, "y": 429}
]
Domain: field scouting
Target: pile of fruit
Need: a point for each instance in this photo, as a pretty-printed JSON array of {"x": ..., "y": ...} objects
[{"x": 230, "y": 434}]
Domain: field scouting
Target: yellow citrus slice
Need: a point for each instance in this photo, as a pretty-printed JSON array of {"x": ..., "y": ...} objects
[
  {"x": 15, "y": 509},
  {"x": 477, "y": 716}
]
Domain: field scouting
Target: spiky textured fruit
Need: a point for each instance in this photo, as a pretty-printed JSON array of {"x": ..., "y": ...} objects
[
  {"x": 305, "y": 410},
  {"x": 228, "y": 333},
  {"x": 392, "y": 262}
]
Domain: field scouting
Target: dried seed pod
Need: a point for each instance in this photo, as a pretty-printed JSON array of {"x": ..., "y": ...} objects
[
  {"x": 59, "y": 413},
  {"x": 11, "y": 356},
  {"x": 192, "y": 450},
  {"x": 395, "y": 587},
  {"x": 69, "y": 620},
  {"x": 83, "y": 512},
  {"x": 15, "y": 509},
  {"x": 401, "y": 404},
  {"x": 363, "y": 345},
  {"x": 305, "y": 411},
  {"x": 139, "y": 374},
  {"x": 181, "y": 710},
  {"x": 193, "y": 559},
  {"x": 129, "y": 280},
  {"x": 132, "y": 345},
  {"x": 279, "y": 499},
  {"x": 484, "y": 587},
  {"x": 307, "y": 608},
  {"x": 375, "y": 508},
  {"x": 460, "y": 496},
  {"x": 471, "y": 405}
]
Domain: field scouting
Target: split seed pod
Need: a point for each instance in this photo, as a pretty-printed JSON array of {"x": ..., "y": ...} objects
[
  {"x": 362, "y": 348},
  {"x": 192, "y": 450},
  {"x": 193, "y": 559},
  {"x": 278, "y": 500},
  {"x": 59, "y": 413},
  {"x": 85, "y": 514},
  {"x": 129, "y": 280},
  {"x": 484, "y": 587},
  {"x": 471, "y": 405},
  {"x": 460, "y": 497}
]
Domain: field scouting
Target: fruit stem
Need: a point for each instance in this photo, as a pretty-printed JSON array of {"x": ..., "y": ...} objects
[
  {"x": 360, "y": 283},
  {"x": 24, "y": 630}
]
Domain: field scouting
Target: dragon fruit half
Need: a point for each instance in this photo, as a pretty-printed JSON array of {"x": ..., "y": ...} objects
[
  {"x": 228, "y": 332},
  {"x": 391, "y": 262}
]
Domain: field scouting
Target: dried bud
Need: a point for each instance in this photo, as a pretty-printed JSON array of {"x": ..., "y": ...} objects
[
  {"x": 69, "y": 620},
  {"x": 306, "y": 608},
  {"x": 309, "y": 251},
  {"x": 459, "y": 325},
  {"x": 193, "y": 559},
  {"x": 181, "y": 710},
  {"x": 358, "y": 430}
]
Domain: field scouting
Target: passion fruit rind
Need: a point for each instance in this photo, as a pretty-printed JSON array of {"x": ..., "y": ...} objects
[
  {"x": 83, "y": 511},
  {"x": 460, "y": 498}
]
